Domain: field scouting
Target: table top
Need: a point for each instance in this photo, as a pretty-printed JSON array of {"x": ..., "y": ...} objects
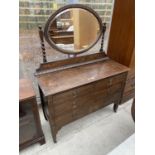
[
  {"x": 59, "y": 81},
  {"x": 26, "y": 90}
]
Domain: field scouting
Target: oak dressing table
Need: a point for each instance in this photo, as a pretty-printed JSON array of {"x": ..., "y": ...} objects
[{"x": 74, "y": 87}]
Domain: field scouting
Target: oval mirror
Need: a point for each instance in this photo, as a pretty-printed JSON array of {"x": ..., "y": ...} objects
[{"x": 73, "y": 29}]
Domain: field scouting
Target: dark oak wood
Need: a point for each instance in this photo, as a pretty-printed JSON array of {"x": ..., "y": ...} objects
[
  {"x": 122, "y": 41},
  {"x": 70, "y": 62},
  {"x": 30, "y": 131},
  {"x": 52, "y": 83},
  {"x": 73, "y": 92}
]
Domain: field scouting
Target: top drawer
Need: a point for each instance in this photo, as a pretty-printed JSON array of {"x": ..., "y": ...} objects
[
  {"x": 63, "y": 97},
  {"x": 108, "y": 82},
  {"x": 84, "y": 90},
  {"x": 117, "y": 79},
  {"x": 98, "y": 87}
]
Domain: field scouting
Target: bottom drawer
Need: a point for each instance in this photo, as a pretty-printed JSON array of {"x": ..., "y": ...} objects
[{"x": 63, "y": 119}]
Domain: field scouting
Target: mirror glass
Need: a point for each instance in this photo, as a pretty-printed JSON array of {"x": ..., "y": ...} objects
[{"x": 74, "y": 30}]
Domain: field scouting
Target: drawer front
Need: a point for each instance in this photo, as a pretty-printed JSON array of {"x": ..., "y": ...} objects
[
  {"x": 64, "y": 108},
  {"x": 101, "y": 84},
  {"x": 83, "y": 100},
  {"x": 130, "y": 85},
  {"x": 78, "y": 102},
  {"x": 85, "y": 90},
  {"x": 63, "y": 102},
  {"x": 128, "y": 95},
  {"x": 115, "y": 88},
  {"x": 100, "y": 94},
  {"x": 83, "y": 106},
  {"x": 64, "y": 97},
  {"x": 117, "y": 79},
  {"x": 63, "y": 119}
]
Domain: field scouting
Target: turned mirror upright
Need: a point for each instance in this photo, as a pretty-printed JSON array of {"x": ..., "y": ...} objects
[{"x": 77, "y": 86}]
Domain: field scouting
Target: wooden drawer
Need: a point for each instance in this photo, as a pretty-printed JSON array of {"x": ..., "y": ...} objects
[
  {"x": 128, "y": 95},
  {"x": 78, "y": 102},
  {"x": 64, "y": 119},
  {"x": 84, "y": 99},
  {"x": 65, "y": 97},
  {"x": 83, "y": 104},
  {"x": 84, "y": 90},
  {"x": 129, "y": 86},
  {"x": 64, "y": 108},
  {"x": 117, "y": 79},
  {"x": 115, "y": 97},
  {"x": 115, "y": 88},
  {"x": 83, "y": 107},
  {"x": 129, "y": 92},
  {"x": 101, "y": 84},
  {"x": 102, "y": 93}
]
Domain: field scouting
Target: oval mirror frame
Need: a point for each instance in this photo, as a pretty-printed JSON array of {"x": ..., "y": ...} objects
[{"x": 52, "y": 18}]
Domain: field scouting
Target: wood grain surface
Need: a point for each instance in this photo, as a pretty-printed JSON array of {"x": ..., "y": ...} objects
[
  {"x": 60, "y": 81},
  {"x": 25, "y": 89}
]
